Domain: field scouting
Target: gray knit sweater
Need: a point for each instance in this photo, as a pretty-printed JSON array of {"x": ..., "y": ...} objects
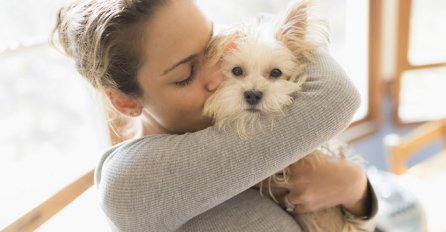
[{"x": 201, "y": 181}]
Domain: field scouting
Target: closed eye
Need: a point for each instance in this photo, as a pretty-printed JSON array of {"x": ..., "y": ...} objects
[{"x": 189, "y": 79}]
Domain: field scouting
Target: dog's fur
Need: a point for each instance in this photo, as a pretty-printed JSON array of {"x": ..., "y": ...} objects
[{"x": 255, "y": 49}]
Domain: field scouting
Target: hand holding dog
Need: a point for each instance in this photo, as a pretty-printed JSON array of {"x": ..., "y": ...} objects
[{"x": 333, "y": 182}]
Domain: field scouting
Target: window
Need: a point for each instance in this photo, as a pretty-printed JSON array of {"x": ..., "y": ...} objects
[
  {"x": 420, "y": 80},
  {"x": 52, "y": 130}
]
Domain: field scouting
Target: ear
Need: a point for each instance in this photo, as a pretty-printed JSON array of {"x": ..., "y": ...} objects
[
  {"x": 220, "y": 45},
  {"x": 295, "y": 22},
  {"x": 124, "y": 103}
]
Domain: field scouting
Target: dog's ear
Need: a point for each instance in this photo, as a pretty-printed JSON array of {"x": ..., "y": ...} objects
[
  {"x": 293, "y": 25},
  {"x": 219, "y": 45}
]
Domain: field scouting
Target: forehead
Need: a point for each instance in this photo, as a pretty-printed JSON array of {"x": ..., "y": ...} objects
[
  {"x": 175, "y": 31},
  {"x": 257, "y": 53}
]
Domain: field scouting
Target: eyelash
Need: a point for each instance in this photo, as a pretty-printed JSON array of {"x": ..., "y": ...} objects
[{"x": 188, "y": 80}]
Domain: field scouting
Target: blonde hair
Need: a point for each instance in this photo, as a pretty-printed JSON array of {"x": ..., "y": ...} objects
[{"x": 104, "y": 38}]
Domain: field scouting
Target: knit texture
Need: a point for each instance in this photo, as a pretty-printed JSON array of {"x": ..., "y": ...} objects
[{"x": 201, "y": 181}]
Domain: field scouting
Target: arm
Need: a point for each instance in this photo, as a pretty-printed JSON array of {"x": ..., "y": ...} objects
[{"x": 160, "y": 182}]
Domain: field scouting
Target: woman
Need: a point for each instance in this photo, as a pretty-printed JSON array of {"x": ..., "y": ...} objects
[{"x": 184, "y": 175}]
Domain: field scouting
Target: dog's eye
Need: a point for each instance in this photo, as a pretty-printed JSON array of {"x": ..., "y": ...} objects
[
  {"x": 276, "y": 73},
  {"x": 237, "y": 71}
]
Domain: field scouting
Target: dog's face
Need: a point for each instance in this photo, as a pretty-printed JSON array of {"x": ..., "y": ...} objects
[
  {"x": 258, "y": 61},
  {"x": 257, "y": 74},
  {"x": 256, "y": 84}
]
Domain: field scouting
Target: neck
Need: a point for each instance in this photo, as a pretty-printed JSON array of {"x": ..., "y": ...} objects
[{"x": 151, "y": 127}]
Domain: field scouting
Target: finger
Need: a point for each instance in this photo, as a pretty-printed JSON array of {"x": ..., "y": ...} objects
[
  {"x": 299, "y": 168},
  {"x": 290, "y": 207},
  {"x": 295, "y": 198},
  {"x": 303, "y": 205},
  {"x": 302, "y": 208},
  {"x": 310, "y": 161},
  {"x": 276, "y": 182},
  {"x": 307, "y": 208}
]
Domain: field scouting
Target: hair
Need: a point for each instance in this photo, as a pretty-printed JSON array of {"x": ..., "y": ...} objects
[{"x": 103, "y": 38}]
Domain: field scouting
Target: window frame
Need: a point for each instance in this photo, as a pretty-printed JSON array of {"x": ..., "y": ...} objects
[
  {"x": 402, "y": 60},
  {"x": 371, "y": 122}
]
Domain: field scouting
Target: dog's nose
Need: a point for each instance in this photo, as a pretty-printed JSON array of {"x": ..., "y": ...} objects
[{"x": 253, "y": 97}]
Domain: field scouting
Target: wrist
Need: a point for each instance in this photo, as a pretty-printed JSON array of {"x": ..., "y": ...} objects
[{"x": 359, "y": 204}]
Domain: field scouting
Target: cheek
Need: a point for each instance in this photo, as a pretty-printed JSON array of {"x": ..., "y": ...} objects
[{"x": 190, "y": 100}]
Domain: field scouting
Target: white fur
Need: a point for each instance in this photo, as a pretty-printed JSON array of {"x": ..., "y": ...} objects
[
  {"x": 258, "y": 47},
  {"x": 257, "y": 59}
]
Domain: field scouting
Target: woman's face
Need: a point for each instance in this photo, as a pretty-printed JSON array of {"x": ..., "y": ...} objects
[{"x": 174, "y": 80}]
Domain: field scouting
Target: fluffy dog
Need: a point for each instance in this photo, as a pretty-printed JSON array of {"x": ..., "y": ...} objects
[{"x": 263, "y": 64}]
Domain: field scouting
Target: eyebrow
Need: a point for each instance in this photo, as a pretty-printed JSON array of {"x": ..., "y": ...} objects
[{"x": 189, "y": 58}]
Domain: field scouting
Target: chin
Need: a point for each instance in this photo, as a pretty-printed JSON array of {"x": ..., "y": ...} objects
[{"x": 201, "y": 124}]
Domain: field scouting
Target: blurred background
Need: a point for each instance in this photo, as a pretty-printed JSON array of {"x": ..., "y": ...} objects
[{"x": 54, "y": 130}]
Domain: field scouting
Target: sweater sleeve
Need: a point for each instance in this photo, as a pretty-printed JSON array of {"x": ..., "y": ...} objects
[
  {"x": 367, "y": 223},
  {"x": 159, "y": 182}
]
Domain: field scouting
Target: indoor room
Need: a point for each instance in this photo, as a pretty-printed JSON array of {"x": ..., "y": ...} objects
[{"x": 67, "y": 119}]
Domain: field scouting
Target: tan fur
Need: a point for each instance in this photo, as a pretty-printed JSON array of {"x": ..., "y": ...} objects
[{"x": 258, "y": 47}]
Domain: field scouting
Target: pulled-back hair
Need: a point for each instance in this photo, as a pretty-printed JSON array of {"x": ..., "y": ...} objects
[{"x": 104, "y": 39}]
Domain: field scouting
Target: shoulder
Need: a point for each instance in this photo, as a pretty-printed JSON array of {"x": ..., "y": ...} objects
[
  {"x": 117, "y": 161},
  {"x": 123, "y": 177}
]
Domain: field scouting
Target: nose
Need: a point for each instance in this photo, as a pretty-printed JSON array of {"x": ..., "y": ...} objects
[
  {"x": 214, "y": 79},
  {"x": 253, "y": 97}
]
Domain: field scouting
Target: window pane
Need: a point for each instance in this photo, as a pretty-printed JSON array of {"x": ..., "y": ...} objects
[
  {"x": 427, "y": 32},
  {"x": 349, "y": 25},
  {"x": 52, "y": 132},
  {"x": 348, "y": 20},
  {"x": 232, "y": 11},
  {"x": 423, "y": 95},
  {"x": 52, "y": 129},
  {"x": 26, "y": 21}
]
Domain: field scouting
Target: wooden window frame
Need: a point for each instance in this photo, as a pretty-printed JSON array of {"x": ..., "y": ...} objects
[
  {"x": 371, "y": 122},
  {"x": 402, "y": 60}
]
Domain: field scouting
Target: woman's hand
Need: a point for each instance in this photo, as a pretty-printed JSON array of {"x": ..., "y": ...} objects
[{"x": 332, "y": 182}]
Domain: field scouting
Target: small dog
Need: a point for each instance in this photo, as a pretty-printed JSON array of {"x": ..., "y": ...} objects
[{"x": 263, "y": 64}]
